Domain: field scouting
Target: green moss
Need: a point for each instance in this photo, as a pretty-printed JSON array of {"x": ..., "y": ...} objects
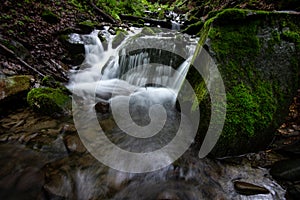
[
  {"x": 118, "y": 39},
  {"x": 50, "y": 17},
  {"x": 147, "y": 31},
  {"x": 17, "y": 84},
  {"x": 291, "y": 36},
  {"x": 251, "y": 52},
  {"x": 49, "y": 81},
  {"x": 87, "y": 26},
  {"x": 88, "y": 23},
  {"x": 48, "y": 100},
  {"x": 193, "y": 29},
  {"x": 231, "y": 14},
  {"x": 234, "y": 41},
  {"x": 249, "y": 110}
]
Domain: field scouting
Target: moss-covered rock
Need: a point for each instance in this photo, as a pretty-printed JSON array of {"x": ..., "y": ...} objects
[
  {"x": 258, "y": 56},
  {"x": 87, "y": 26},
  {"x": 75, "y": 49},
  {"x": 13, "y": 90},
  {"x": 147, "y": 31},
  {"x": 118, "y": 39},
  {"x": 50, "y": 17},
  {"x": 194, "y": 28},
  {"x": 49, "y": 101}
]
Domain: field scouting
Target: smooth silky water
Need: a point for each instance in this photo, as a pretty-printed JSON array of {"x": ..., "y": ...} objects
[
  {"x": 143, "y": 78},
  {"x": 130, "y": 87}
]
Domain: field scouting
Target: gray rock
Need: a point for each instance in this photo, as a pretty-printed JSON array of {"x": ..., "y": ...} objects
[{"x": 286, "y": 170}]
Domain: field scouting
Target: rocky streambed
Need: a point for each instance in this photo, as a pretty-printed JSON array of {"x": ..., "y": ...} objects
[{"x": 43, "y": 157}]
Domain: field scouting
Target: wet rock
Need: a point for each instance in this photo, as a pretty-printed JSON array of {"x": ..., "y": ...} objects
[
  {"x": 291, "y": 149},
  {"x": 74, "y": 144},
  {"x": 286, "y": 170},
  {"x": 87, "y": 26},
  {"x": 102, "y": 107},
  {"x": 147, "y": 31},
  {"x": 107, "y": 125},
  {"x": 49, "y": 101},
  {"x": 59, "y": 185},
  {"x": 74, "y": 46},
  {"x": 21, "y": 177},
  {"x": 55, "y": 149},
  {"x": 170, "y": 195},
  {"x": 118, "y": 39},
  {"x": 245, "y": 188},
  {"x": 13, "y": 90},
  {"x": 14, "y": 85},
  {"x": 294, "y": 191}
]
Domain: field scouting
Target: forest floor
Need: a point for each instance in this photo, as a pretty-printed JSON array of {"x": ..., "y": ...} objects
[{"x": 26, "y": 24}]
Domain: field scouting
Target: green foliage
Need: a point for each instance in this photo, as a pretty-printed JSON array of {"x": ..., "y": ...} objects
[
  {"x": 131, "y": 7},
  {"x": 292, "y": 36},
  {"x": 20, "y": 23},
  {"x": 28, "y": 19},
  {"x": 6, "y": 17},
  {"x": 80, "y": 5}
]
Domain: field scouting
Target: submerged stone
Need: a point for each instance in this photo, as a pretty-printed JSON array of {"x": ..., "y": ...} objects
[
  {"x": 245, "y": 188},
  {"x": 257, "y": 54}
]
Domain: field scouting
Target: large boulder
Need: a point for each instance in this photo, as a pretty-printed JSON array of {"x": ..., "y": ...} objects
[{"x": 258, "y": 55}]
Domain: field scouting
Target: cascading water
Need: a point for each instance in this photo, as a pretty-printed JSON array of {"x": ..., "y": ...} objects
[
  {"x": 141, "y": 78},
  {"x": 135, "y": 80}
]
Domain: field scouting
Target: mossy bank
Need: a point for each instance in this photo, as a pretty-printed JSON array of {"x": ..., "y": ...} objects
[{"x": 258, "y": 56}]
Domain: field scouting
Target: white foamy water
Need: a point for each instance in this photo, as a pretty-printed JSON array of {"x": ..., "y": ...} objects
[{"x": 112, "y": 72}]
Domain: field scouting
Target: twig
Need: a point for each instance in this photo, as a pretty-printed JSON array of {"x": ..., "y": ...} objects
[
  {"x": 10, "y": 52},
  {"x": 103, "y": 14},
  {"x": 162, "y": 23}
]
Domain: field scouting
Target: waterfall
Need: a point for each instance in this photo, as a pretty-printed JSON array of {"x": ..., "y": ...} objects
[
  {"x": 139, "y": 81},
  {"x": 136, "y": 70},
  {"x": 175, "y": 25}
]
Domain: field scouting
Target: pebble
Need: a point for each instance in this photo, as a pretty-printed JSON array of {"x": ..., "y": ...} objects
[{"x": 245, "y": 188}]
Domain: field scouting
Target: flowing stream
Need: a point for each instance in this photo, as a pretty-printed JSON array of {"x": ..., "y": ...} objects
[
  {"x": 123, "y": 98},
  {"x": 137, "y": 75}
]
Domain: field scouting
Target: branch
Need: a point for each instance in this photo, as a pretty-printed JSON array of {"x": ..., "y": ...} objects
[
  {"x": 103, "y": 14},
  {"x": 11, "y": 53},
  {"x": 155, "y": 22}
]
